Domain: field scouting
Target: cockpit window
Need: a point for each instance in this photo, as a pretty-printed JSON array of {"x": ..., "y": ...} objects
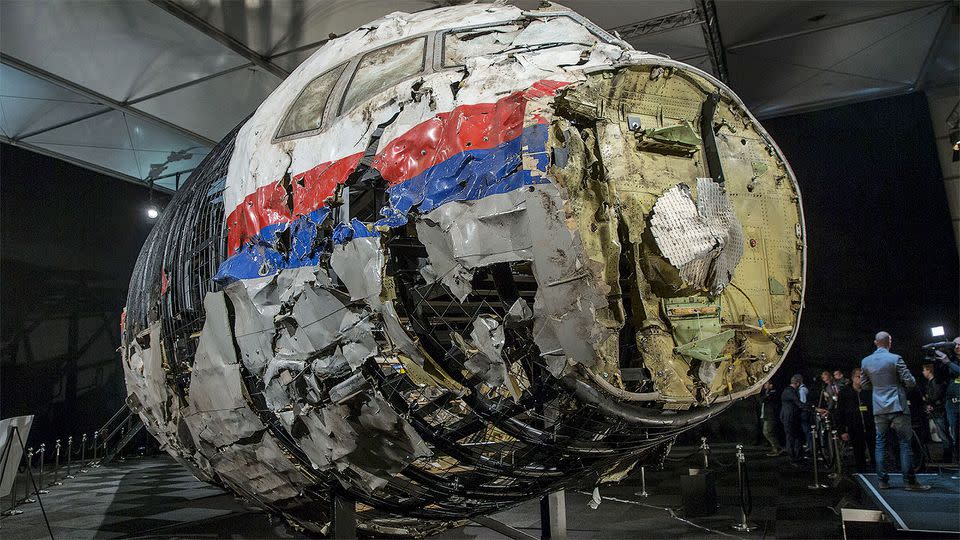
[
  {"x": 306, "y": 113},
  {"x": 458, "y": 46},
  {"x": 384, "y": 68}
]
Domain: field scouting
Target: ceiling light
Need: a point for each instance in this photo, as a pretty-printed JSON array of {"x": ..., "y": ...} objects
[
  {"x": 153, "y": 212},
  {"x": 937, "y": 331}
]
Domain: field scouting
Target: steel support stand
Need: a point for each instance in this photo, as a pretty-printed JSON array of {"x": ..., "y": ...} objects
[
  {"x": 69, "y": 456},
  {"x": 743, "y": 525},
  {"x": 553, "y": 516},
  {"x": 28, "y": 498},
  {"x": 56, "y": 465},
  {"x": 813, "y": 454},
  {"x": 643, "y": 483},
  {"x": 706, "y": 452},
  {"x": 83, "y": 453},
  {"x": 13, "y": 510},
  {"x": 94, "y": 464},
  {"x": 43, "y": 450},
  {"x": 343, "y": 522},
  {"x": 836, "y": 453},
  {"x": 502, "y": 528}
]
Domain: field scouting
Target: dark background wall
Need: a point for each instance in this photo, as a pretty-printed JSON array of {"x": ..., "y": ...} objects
[
  {"x": 68, "y": 240},
  {"x": 881, "y": 252},
  {"x": 881, "y": 256}
]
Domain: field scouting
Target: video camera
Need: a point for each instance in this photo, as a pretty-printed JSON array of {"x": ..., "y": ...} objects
[
  {"x": 944, "y": 346},
  {"x": 933, "y": 351}
]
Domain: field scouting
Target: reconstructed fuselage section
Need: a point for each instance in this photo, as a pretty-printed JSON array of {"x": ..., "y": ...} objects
[{"x": 458, "y": 259}]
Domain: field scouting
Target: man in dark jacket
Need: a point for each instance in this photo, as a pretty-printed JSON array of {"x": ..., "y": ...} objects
[
  {"x": 952, "y": 398},
  {"x": 934, "y": 392},
  {"x": 768, "y": 416},
  {"x": 790, "y": 416},
  {"x": 856, "y": 420}
]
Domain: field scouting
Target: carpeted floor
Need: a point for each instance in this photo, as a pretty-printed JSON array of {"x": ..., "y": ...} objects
[
  {"x": 935, "y": 510},
  {"x": 155, "y": 497}
]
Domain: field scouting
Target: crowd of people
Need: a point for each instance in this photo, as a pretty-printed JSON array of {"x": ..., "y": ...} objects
[{"x": 869, "y": 409}]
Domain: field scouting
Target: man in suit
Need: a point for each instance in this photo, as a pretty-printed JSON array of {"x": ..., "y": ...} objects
[
  {"x": 768, "y": 416},
  {"x": 830, "y": 393},
  {"x": 887, "y": 376},
  {"x": 934, "y": 392},
  {"x": 856, "y": 421},
  {"x": 790, "y": 416},
  {"x": 952, "y": 397}
]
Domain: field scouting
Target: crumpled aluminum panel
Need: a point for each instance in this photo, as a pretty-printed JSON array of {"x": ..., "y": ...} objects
[
  {"x": 426, "y": 304},
  {"x": 702, "y": 239}
]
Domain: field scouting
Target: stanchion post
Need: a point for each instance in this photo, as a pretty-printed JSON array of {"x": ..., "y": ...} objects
[
  {"x": 83, "y": 453},
  {"x": 69, "y": 456},
  {"x": 43, "y": 450},
  {"x": 813, "y": 452},
  {"x": 56, "y": 465},
  {"x": 836, "y": 453},
  {"x": 706, "y": 452},
  {"x": 13, "y": 510},
  {"x": 743, "y": 525},
  {"x": 95, "y": 435},
  {"x": 28, "y": 498}
]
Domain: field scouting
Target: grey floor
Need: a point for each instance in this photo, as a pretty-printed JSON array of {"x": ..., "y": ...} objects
[{"x": 157, "y": 498}]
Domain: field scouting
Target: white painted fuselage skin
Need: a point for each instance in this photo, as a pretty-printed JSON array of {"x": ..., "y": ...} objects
[{"x": 279, "y": 402}]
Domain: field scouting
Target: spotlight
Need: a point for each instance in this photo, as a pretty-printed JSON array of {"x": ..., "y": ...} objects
[
  {"x": 153, "y": 212},
  {"x": 937, "y": 331}
]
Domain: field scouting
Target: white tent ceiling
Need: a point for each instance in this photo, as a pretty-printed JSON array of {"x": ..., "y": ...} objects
[{"x": 142, "y": 89}]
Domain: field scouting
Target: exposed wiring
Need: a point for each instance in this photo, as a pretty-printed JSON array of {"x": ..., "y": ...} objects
[{"x": 760, "y": 324}]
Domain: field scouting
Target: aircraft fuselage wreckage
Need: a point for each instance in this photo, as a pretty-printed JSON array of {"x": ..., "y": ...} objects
[{"x": 458, "y": 259}]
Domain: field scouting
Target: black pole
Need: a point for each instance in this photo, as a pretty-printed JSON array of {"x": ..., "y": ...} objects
[
  {"x": 343, "y": 517},
  {"x": 32, "y": 481}
]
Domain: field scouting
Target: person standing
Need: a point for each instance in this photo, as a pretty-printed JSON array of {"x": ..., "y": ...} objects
[
  {"x": 768, "y": 417},
  {"x": 791, "y": 408},
  {"x": 840, "y": 380},
  {"x": 887, "y": 376},
  {"x": 830, "y": 393},
  {"x": 805, "y": 417},
  {"x": 951, "y": 400},
  {"x": 856, "y": 421},
  {"x": 934, "y": 393}
]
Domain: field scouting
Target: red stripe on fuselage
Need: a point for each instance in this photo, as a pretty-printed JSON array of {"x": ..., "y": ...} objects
[
  {"x": 467, "y": 127},
  {"x": 268, "y": 205},
  {"x": 478, "y": 126}
]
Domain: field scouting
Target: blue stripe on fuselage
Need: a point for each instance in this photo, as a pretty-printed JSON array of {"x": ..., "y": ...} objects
[{"x": 467, "y": 176}]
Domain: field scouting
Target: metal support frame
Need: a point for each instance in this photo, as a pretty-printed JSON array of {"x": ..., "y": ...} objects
[
  {"x": 704, "y": 14},
  {"x": 928, "y": 61},
  {"x": 131, "y": 102},
  {"x": 655, "y": 25},
  {"x": 72, "y": 160},
  {"x": 553, "y": 516},
  {"x": 98, "y": 97},
  {"x": 553, "y": 520},
  {"x": 502, "y": 528},
  {"x": 343, "y": 517},
  {"x": 711, "y": 36},
  {"x": 842, "y": 24},
  {"x": 188, "y": 17}
]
